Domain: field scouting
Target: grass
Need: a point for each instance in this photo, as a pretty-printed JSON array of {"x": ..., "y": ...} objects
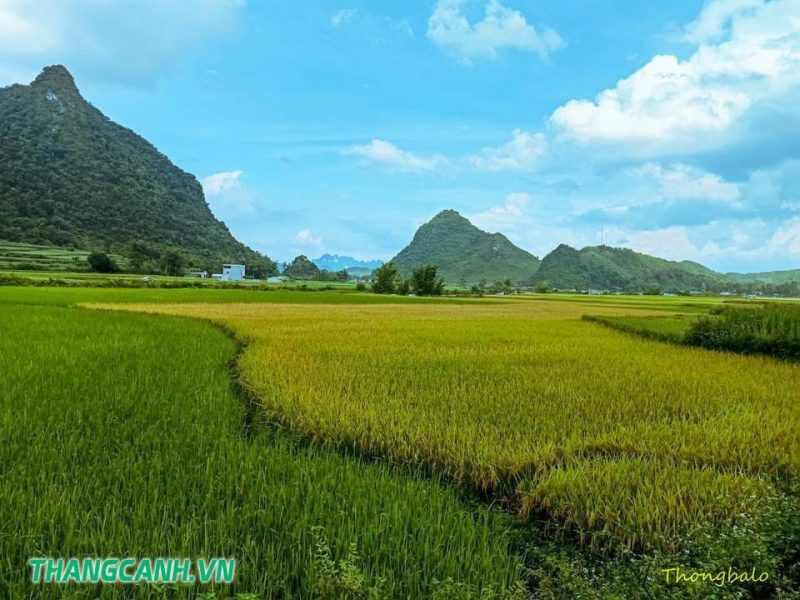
[
  {"x": 771, "y": 328},
  {"x": 626, "y": 444},
  {"x": 672, "y": 328},
  {"x": 123, "y": 436}
]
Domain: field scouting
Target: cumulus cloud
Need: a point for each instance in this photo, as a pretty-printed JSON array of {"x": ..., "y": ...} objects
[
  {"x": 504, "y": 217},
  {"x": 306, "y": 238},
  {"x": 673, "y": 106},
  {"x": 715, "y": 19},
  {"x": 227, "y": 195},
  {"x": 501, "y": 27},
  {"x": 740, "y": 246},
  {"x": 522, "y": 153},
  {"x": 343, "y": 16},
  {"x": 391, "y": 158},
  {"x": 686, "y": 182},
  {"x": 111, "y": 40},
  {"x": 674, "y": 243},
  {"x": 785, "y": 240}
]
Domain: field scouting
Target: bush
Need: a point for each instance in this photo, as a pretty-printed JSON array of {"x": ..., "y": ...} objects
[
  {"x": 384, "y": 280},
  {"x": 100, "y": 262},
  {"x": 773, "y": 330},
  {"x": 426, "y": 282}
]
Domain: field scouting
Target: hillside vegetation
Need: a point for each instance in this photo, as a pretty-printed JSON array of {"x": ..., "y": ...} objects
[
  {"x": 69, "y": 176},
  {"x": 620, "y": 269},
  {"x": 464, "y": 254}
]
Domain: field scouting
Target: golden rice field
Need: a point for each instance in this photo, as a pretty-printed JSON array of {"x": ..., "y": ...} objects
[{"x": 628, "y": 443}]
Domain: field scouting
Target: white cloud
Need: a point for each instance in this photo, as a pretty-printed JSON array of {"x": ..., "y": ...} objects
[
  {"x": 522, "y": 153},
  {"x": 715, "y": 18},
  {"x": 786, "y": 240},
  {"x": 685, "y": 106},
  {"x": 215, "y": 184},
  {"x": 501, "y": 27},
  {"x": 227, "y": 195},
  {"x": 748, "y": 244},
  {"x": 673, "y": 243},
  {"x": 343, "y": 16},
  {"x": 112, "y": 40},
  {"x": 306, "y": 237},
  {"x": 505, "y": 217},
  {"x": 684, "y": 182},
  {"x": 390, "y": 157}
]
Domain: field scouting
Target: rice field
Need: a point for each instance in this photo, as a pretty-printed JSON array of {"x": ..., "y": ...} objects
[
  {"x": 604, "y": 456},
  {"x": 630, "y": 444},
  {"x": 122, "y": 436}
]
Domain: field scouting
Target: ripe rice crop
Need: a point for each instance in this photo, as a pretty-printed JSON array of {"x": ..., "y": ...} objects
[{"x": 628, "y": 443}]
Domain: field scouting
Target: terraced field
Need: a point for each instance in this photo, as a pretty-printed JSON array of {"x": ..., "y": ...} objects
[{"x": 29, "y": 257}]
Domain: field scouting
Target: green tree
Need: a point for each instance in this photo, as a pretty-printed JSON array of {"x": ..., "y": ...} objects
[
  {"x": 100, "y": 262},
  {"x": 425, "y": 281},
  {"x": 384, "y": 279},
  {"x": 172, "y": 263},
  {"x": 403, "y": 287}
]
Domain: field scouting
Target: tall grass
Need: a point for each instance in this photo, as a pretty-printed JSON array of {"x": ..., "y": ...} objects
[
  {"x": 773, "y": 329},
  {"x": 122, "y": 436}
]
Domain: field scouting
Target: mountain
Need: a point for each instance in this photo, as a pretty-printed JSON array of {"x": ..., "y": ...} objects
[
  {"x": 302, "y": 268},
  {"x": 465, "y": 254},
  {"x": 334, "y": 262},
  {"x": 70, "y": 176},
  {"x": 620, "y": 269},
  {"x": 769, "y": 277}
]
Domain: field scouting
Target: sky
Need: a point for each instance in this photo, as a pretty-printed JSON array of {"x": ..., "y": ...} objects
[{"x": 671, "y": 128}]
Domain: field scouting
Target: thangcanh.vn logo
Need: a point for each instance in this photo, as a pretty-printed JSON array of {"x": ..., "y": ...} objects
[{"x": 132, "y": 570}]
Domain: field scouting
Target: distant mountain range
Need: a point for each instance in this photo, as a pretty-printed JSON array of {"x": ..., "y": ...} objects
[
  {"x": 465, "y": 254},
  {"x": 334, "y": 262},
  {"x": 71, "y": 176}
]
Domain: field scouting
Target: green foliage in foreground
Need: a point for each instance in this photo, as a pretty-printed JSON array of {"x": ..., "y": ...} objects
[
  {"x": 772, "y": 329},
  {"x": 122, "y": 437}
]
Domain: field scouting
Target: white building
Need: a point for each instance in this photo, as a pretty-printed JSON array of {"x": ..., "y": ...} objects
[{"x": 230, "y": 273}]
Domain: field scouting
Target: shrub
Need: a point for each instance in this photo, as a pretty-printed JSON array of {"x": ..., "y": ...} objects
[
  {"x": 100, "y": 262},
  {"x": 385, "y": 278},
  {"x": 426, "y": 282}
]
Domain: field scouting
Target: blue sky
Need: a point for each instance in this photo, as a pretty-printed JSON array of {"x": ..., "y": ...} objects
[{"x": 670, "y": 128}]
